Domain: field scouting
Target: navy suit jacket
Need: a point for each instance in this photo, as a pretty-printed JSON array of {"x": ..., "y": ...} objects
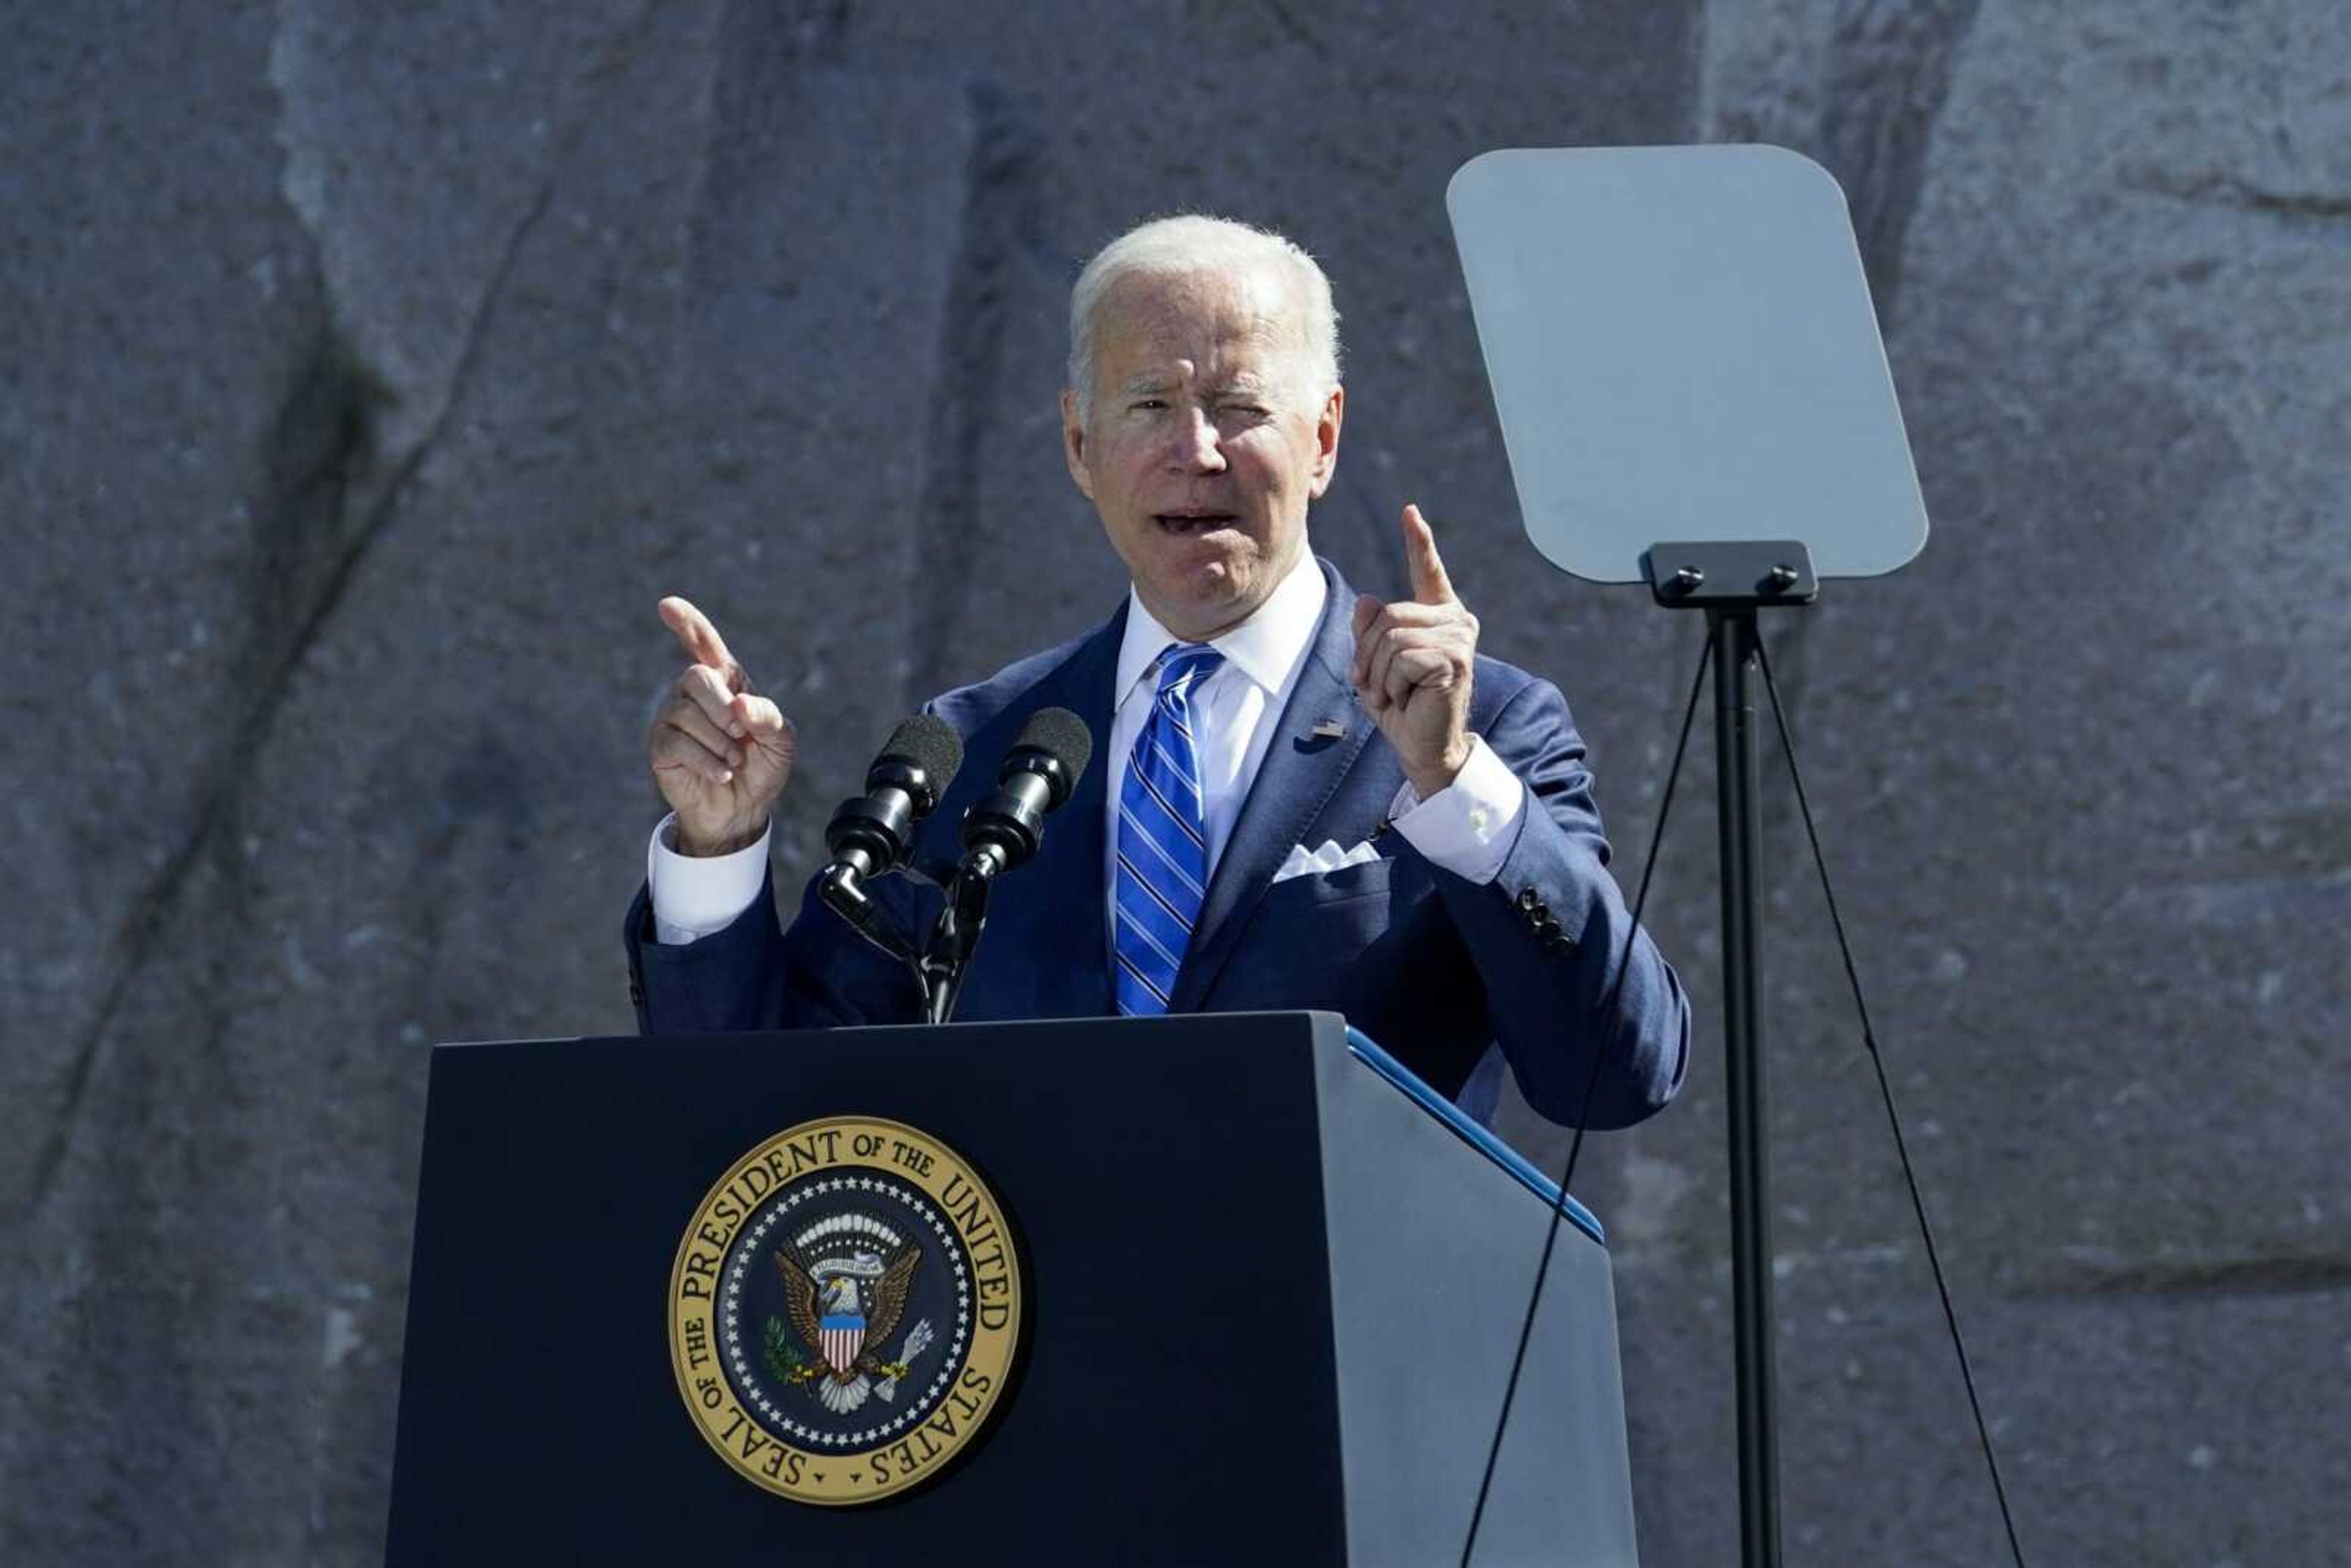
[{"x": 1432, "y": 967}]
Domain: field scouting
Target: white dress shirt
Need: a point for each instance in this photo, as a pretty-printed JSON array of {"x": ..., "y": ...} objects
[{"x": 1467, "y": 828}]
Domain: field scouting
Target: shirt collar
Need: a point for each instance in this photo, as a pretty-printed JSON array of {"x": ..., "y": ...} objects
[{"x": 1266, "y": 647}]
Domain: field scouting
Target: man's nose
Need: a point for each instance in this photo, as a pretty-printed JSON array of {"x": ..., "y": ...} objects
[{"x": 1198, "y": 448}]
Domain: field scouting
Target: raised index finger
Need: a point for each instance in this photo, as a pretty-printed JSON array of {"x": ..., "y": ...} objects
[
  {"x": 1429, "y": 583},
  {"x": 700, "y": 639}
]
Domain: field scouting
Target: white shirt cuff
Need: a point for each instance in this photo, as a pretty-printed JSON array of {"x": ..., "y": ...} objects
[
  {"x": 1466, "y": 828},
  {"x": 694, "y": 895}
]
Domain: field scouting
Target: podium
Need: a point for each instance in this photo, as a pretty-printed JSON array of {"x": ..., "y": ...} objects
[{"x": 1270, "y": 1289}]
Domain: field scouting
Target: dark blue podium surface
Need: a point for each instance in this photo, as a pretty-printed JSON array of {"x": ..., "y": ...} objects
[{"x": 1270, "y": 1302}]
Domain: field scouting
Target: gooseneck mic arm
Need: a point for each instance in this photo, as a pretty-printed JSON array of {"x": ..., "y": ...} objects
[{"x": 841, "y": 889}]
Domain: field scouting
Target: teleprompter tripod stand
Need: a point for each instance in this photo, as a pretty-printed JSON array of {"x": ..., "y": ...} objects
[{"x": 1680, "y": 342}]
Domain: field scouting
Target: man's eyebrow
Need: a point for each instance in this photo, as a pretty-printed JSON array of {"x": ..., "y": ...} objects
[{"x": 1155, "y": 385}]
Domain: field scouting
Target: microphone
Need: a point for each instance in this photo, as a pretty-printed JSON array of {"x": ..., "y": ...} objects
[
  {"x": 870, "y": 835},
  {"x": 1000, "y": 833},
  {"x": 873, "y": 834}
]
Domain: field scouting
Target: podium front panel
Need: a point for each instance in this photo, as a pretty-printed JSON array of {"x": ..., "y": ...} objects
[{"x": 1175, "y": 1401}]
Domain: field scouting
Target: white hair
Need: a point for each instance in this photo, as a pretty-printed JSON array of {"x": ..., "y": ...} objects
[{"x": 1193, "y": 243}]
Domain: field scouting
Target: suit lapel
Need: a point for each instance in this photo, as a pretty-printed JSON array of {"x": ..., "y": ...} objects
[
  {"x": 1075, "y": 850},
  {"x": 1300, "y": 772},
  {"x": 1051, "y": 915}
]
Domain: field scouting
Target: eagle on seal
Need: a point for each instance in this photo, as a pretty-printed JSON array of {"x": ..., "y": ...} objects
[{"x": 853, "y": 1306}]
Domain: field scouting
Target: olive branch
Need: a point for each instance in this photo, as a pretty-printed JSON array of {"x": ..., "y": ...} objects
[{"x": 783, "y": 1358}]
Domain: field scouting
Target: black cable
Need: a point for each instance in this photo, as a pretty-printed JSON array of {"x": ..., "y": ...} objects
[
  {"x": 1892, "y": 1117},
  {"x": 1591, "y": 1083}
]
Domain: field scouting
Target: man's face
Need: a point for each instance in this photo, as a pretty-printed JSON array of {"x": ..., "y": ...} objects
[{"x": 1205, "y": 440}]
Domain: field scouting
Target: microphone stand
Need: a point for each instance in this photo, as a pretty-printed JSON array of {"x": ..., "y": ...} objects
[
  {"x": 999, "y": 833},
  {"x": 938, "y": 966},
  {"x": 955, "y": 936}
]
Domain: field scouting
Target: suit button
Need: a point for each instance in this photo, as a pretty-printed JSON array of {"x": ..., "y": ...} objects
[
  {"x": 1557, "y": 942},
  {"x": 1548, "y": 929},
  {"x": 1527, "y": 899}
]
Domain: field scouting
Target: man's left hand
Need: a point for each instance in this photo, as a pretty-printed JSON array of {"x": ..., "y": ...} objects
[{"x": 1414, "y": 659}]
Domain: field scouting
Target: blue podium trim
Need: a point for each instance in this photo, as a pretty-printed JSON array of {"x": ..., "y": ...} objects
[{"x": 1469, "y": 1132}]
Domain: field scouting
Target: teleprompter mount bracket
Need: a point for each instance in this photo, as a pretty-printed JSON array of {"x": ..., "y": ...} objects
[{"x": 1736, "y": 574}]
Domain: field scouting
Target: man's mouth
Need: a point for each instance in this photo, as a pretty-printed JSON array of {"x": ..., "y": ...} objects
[{"x": 1192, "y": 522}]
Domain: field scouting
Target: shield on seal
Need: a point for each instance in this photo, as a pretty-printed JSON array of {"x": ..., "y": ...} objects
[{"x": 841, "y": 1336}]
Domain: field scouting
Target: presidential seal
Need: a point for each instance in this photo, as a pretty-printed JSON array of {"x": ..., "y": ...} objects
[{"x": 845, "y": 1309}]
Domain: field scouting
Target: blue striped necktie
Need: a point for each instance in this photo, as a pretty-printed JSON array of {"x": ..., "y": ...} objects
[{"x": 1162, "y": 838}]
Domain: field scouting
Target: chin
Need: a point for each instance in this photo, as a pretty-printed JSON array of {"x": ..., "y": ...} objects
[
  {"x": 1210, "y": 610},
  {"x": 1206, "y": 585}
]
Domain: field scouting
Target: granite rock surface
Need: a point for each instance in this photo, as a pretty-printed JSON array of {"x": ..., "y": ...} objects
[{"x": 371, "y": 370}]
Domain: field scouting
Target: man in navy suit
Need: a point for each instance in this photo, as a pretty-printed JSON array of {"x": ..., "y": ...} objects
[{"x": 1303, "y": 797}]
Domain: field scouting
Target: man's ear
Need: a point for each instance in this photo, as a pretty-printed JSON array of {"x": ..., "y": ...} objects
[
  {"x": 1326, "y": 440},
  {"x": 1074, "y": 445}
]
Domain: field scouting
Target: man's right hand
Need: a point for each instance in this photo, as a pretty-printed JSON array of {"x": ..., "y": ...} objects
[{"x": 721, "y": 753}]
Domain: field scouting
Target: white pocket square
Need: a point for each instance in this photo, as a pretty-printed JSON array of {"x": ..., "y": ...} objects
[{"x": 1302, "y": 862}]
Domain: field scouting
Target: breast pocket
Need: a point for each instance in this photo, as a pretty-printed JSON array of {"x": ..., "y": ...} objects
[
  {"x": 1365, "y": 878},
  {"x": 1313, "y": 935},
  {"x": 1329, "y": 941}
]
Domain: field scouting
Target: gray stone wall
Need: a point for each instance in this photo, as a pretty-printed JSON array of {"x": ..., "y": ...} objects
[{"x": 367, "y": 373}]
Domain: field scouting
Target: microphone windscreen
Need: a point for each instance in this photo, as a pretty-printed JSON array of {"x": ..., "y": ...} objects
[
  {"x": 931, "y": 744},
  {"x": 1059, "y": 733}
]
